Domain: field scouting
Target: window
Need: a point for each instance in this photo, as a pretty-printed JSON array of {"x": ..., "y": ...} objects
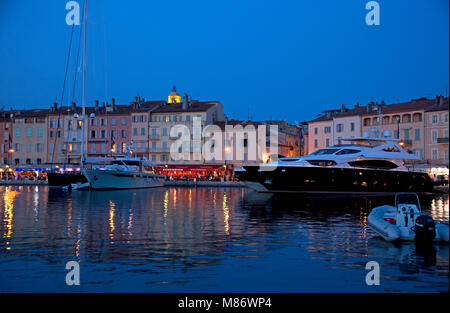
[
  {"x": 434, "y": 136},
  {"x": 376, "y": 164},
  {"x": 446, "y": 155},
  {"x": 352, "y": 126},
  {"x": 188, "y": 118},
  {"x": 135, "y": 132},
  {"x": 153, "y": 146},
  {"x": 340, "y": 128},
  {"x": 28, "y": 147},
  {"x": 327, "y": 142},
  {"x": 154, "y": 158},
  {"x": 92, "y": 133},
  {"x": 406, "y": 134},
  {"x": 315, "y": 143},
  {"x": 348, "y": 151},
  {"x": 417, "y": 134},
  {"x": 327, "y": 129},
  {"x": 324, "y": 151},
  {"x": 124, "y": 121},
  {"x": 142, "y": 131},
  {"x": 164, "y": 146},
  {"x": 316, "y": 130},
  {"x": 434, "y": 154},
  {"x": 154, "y": 133},
  {"x": 164, "y": 132},
  {"x": 113, "y": 121},
  {"x": 434, "y": 119},
  {"x": 17, "y": 132},
  {"x": 103, "y": 133},
  {"x": 418, "y": 152},
  {"x": 39, "y": 132}
]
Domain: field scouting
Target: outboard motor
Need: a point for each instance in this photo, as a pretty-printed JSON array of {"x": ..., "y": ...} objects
[{"x": 425, "y": 229}]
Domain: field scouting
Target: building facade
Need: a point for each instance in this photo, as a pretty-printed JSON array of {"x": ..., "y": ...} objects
[
  {"x": 410, "y": 122},
  {"x": 6, "y": 143},
  {"x": 436, "y": 133},
  {"x": 29, "y": 137},
  {"x": 189, "y": 118}
]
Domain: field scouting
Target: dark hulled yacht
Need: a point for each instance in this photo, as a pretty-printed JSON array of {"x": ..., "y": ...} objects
[{"x": 363, "y": 165}]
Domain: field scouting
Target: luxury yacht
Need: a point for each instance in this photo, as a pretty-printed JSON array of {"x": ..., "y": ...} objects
[
  {"x": 124, "y": 173},
  {"x": 363, "y": 165}
]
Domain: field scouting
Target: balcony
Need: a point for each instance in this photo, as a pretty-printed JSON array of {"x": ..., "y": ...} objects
[{"x": 442, "y": 140}]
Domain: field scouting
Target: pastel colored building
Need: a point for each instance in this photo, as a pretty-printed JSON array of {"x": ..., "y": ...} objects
[
  {"x": 436, "y": 133},
  {"x": 5, "y": 136},
  {"x": 55, "y": 134},
  {"x": 109, "y": 131},
  {"x": 29, "y": 129},
  {"x": 334, "y": 125},
  {"x": 406, "y": 121},
  {"x": 165, "y": 117},
  {"x": 140, "y": 125}
]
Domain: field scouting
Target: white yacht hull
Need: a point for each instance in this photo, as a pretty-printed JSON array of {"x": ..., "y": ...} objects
[{"x": 106, "y": 179}]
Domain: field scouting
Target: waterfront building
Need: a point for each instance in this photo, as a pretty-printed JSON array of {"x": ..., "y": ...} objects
[
  {"x": 436, "y": 133},
  {"x": 167, "y": 116},
  {"x": 405, "y": 121},
  {"x": 329, "y": 128},
  {"x": 109, "y": 130},
  {"x": 55, "y": 134},
  {"x": 140, "y": 125},
  {"x": 29, "y": 137},
  {"x": 5, "y": 138}
]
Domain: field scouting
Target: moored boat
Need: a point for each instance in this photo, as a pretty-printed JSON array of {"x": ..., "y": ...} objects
[
  {"x": 364, "y": 165},
  {"x": 125, "y": 173},
  {"x": 405, "y": 221},
  {"x": 63, "y": 179}
]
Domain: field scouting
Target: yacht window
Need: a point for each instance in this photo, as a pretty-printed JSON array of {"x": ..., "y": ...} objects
[
  {"x": 348, "y": 151},
  {"x": 375, "y": 164},
  {"x": 324, "y": 151},
  {"x": 322, "y": 162},
  {"x": 289, "y": 159},
  {"x": 391, "y": 149}
]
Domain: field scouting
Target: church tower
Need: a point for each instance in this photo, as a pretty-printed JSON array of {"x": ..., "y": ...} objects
[{"x": 174, "y": 97}]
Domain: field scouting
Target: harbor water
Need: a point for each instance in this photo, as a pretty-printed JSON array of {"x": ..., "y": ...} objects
[{"x": 180, "y": 239}]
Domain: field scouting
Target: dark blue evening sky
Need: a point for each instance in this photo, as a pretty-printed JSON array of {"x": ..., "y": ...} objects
[{"x": 285, "y": 59}]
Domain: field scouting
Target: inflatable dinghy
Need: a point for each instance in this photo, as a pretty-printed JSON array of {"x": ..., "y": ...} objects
[{"x": 405, "y": 221}]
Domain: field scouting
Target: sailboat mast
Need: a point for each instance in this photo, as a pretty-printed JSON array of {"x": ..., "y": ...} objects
[{"x": 83, "y": 114}]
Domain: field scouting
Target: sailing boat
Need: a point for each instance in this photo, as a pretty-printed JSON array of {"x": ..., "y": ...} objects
[{"x": 63, "y": 178}]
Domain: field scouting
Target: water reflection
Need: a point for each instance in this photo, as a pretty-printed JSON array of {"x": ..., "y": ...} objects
[{"x": 203, "y": 237}]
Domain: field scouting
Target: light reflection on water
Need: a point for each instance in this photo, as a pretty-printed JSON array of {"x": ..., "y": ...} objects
[{"x": 205, "y": 239}]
